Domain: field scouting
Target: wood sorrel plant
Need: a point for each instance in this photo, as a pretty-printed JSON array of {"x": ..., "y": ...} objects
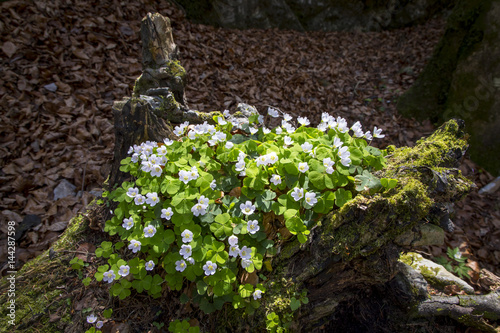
[{"x": 196, "y": 208}]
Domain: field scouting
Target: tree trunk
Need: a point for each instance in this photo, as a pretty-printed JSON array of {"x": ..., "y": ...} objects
[{"x": 461, "y": 79}]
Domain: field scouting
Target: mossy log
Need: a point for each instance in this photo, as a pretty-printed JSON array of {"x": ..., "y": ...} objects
[{"x": 351, "y": 253}]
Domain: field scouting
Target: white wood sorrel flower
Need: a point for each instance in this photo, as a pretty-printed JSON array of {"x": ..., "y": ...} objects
[
  {"x": 180, "y": 265},
  {"x": 124, "y": 270},
  {"x": 247, "y": 208},
  {"x": 187, "y": 236},
  {"x": 134, "y": 245},
  {"x": 210, "y": 268},
  {"x": 185, "y": 251},
  {"x": 166, "y": 213},
  {"x": 297, "y": 193},
  {"x": 253, "y": 226},
  {"x": 149, "y": 231},
  {"x": 150, "y": 265},
  {"x": 128, "y": 223},
  {"x": 109, "y": 276},
  {"x": 303, "y": 167}
]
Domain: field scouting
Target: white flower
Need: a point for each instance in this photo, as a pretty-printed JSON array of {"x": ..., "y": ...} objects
[
  {"x": 257, "y": 294},
  {"x": 261, "y": 160},
  {"x": 213, "y": 184},
  {"x": 273, "y": 112},
  {"x": 194, "y": 173},
  {"x": 344, "y": 155},
  {"x": 221, "y": 121},
  {"x": 246, "y": 262},
  {"x": 279, "y": 130},
  {"x": 310, "y": 199},
  {"x": 99, "y": 324},
  {"x": 149, "y": 231},
  {"x": 303, "y": 167},
  {"x": 297, "y": 193},
  {"x": 156, "y": 170},
  {"x": 210, "y": 268},
  {"x": 288, "y": 140},
  {"x": 161, "y": 150},
  {"x": 457, "y": 255},
  {"x": 356, "y": 128},
  {"x": 253, "y": 226},
  {"x": 226, "y": 113},
  {"x": 146, "y": 166},
  {"x": 91, "y": 319},
  {"x": 109, "y": 276},
  {"x": 199, "y": 209},
  {"x": 134, "y": 245},
  {"x": 187, "y": 236},
  {"x": 328, "y": 163},
  {"x": 306, "y": 147},
  {"x": 247, "y": 208},
  {"x": 179, "y": 130},
  {"x": 303, "y": 121},
  {"x": 150, "y": 265},
  {"x": 275, "y": 179},
  {"x": 377, "y": 133},
  {"x": 232, "y": 240},
  {"x": 325, "y": 117},
  {"x": 368, "y": 135},
  {"x": 191, "y": 135},
  {"x": 190, "y": 260},
  {"x": 260, "y": 119},
  {"x": 166, "y": 213},
  {"x": 337, "y": 143},
  {"x": 168, "y": 142},
  {"x": 266, "y": 130},
  {"x": 242, "y": 173},
  {"x": 287, "y": 117},
  {"x": 245, "y": 253},
  {"x": 185, "y": 251},
  {"x": 322, "y": 126},
  {"x": 272, "y": 157},
  {"x": 180, "y": 265},
  {"x": 289, "y": 128},
  {"x": 342, "y": 125},
  {"x": 124, "y": 270},
  {"x": 234, "y": 250},
  {"x": 128, "y": 223},
  {"x": 252, "y": 130},
  {"x": 152, "y": 199},
  {"x": 241, "y": 156},
  {"x": 153, "y": 159},
  {"x": 185, "y": 176},
  {"x": 132, "y": 192},
  {"x": 229, "y": 145},
  {"x": 240, "y": 166},
  {"x": 135, "y": 157},
  {"x": 203, "y": 201}
]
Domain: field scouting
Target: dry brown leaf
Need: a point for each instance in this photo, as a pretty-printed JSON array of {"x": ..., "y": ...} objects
[{"x": 9, "y": 49}]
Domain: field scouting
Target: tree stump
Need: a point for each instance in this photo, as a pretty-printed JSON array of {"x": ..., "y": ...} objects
[{"x": 349, "y": 267}]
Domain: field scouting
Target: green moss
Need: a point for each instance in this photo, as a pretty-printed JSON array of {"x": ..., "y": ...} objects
[
  {"x": 43, "y": 287},
  {"x": 172, "y": 75}
]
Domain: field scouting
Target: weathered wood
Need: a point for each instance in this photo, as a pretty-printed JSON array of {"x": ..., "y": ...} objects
[{"x": 351, "y": 253}]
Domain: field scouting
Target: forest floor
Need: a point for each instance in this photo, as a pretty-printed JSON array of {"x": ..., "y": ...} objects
[{"x": 65, "y": 62}]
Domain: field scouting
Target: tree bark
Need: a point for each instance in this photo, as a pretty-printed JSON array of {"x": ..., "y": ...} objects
[{"x": 461, "y": 79}]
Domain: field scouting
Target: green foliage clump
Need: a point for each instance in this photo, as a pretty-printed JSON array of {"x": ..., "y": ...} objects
[{"x": 210, "y": 207}]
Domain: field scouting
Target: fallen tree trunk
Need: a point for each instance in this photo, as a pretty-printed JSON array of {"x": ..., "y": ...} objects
[{"x": 350, "y": 262}]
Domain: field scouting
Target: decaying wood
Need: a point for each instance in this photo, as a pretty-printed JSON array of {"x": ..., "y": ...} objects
[{"x": 353, "y": 252}]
